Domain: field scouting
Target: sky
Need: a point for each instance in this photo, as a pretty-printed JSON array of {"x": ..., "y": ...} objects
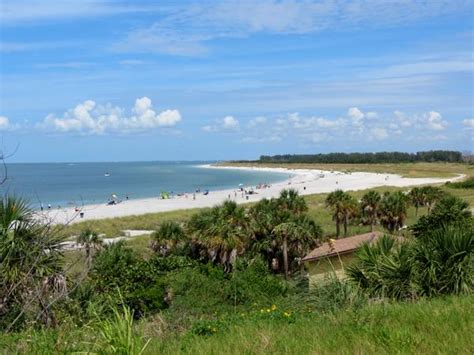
[{"x": 106, "y": 80}]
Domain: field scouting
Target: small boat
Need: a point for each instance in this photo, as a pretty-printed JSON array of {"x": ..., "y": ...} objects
[{"x": 107, "y": 174}]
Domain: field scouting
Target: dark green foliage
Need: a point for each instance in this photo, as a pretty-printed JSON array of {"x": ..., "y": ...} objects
[
  {"x": 383, "y": 269},
  {"x": 438, "y": 262},
  {"x": 30, "y": 257},
  {"x": 118, "y": 270},
  {"x": 465, "y": 184},
  {"x": 449, "y": 210},
  {"x": 444, "y": 261},
  {"x": 366, "y": 158},
  {"x": 393, "y": 210}
]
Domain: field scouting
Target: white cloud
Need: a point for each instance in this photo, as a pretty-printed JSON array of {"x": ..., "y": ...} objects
[
  {"x": 372, "y": 115},
  {"x": 468, "y": 123},
  {"x": 434, "y": 121},
  {"x": 379, "y": 133},
  {"x": 356, "y": 116},
  {"x": 228, "y": 123},
  {"x": 4, "y": 123},
  {"x": 90, "y": 118},
  {"x": 257, "y": 121}
]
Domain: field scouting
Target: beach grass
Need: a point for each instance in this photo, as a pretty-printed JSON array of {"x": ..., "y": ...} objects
[{"x": 430, "y": 326}]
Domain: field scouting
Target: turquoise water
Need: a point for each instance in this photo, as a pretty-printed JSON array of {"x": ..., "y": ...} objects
[{"x": 69, "y": 184}]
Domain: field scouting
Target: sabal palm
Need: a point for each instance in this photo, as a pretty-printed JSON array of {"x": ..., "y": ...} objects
[
  {"x": 417, "y": 198},
  {"x": 350, "y": 210},
  {"x": 29, "y": 253},
  {"x": 90, "y": 240},
  {"x": 292, "y": 202},
  {"x": 370, "y": 204},
  {"x": 393, "y": 210},
  {"x": 264, "y": 216},
  {"x": 432, "y": 194},
  {"x": 223, "y": 231},
  {"x": 299, "y": 234},
  {"x": 167, "y": 237},
  {"x": 335, "y": 201}
]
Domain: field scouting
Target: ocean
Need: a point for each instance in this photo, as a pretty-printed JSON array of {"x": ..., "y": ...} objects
[{"x": 71, "y": 184}]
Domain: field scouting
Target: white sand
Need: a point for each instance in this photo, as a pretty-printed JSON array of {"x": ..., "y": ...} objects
[{"x": 300, "y": 178}]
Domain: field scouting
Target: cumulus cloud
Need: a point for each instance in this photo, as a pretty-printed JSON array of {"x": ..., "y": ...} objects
[
  {"x": 356, "y": 116},
  {"x": 90, "y": 118},
  {"x": 228, "y": 123},
  {"x": 379, "y": 133},
  {"x": 4, "y": 123},
  {"x": 257, "y": 121},
  {"x": 434, "y": 121},
  {"x": 468, "y": 123}
]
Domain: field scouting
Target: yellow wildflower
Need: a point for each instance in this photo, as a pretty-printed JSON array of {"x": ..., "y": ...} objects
[
  {"x": 268, "y": 310},
  {"x": 274, "y": 307}
]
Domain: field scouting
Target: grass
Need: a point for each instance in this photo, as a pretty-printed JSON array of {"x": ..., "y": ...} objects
[
  {"x": 414, "y": 170},
  {"x": 440, "y": 325},
  {"x": 436, "y": 326}
]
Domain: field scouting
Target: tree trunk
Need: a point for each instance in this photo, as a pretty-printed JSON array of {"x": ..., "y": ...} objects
[
  {"x": 285, "y": 256},
  {"x": 416, "y": 211},
  {"x": 372, "y": 226},
  {"x": 346, "y": 222},
  {"x": 338, "y": 229},
  {"x": 88, "y": 256}
]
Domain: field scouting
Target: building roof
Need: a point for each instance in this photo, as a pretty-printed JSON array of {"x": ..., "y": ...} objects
[{"x": 341, "y": 246}]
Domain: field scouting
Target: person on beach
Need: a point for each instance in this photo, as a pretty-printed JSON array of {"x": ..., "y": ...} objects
[
  {"x": 49, "y": 206},
  {"x": 41, "y": 206},
  {"x": 194, "y": 196}
]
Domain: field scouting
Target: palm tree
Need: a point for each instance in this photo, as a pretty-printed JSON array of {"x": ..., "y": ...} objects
[
  {"x": 222, "y": 231},
  {"x": 393, "y": 210},
  {"x": 90, "y": 240},
  {"x": 292, "y": 202},
  {"x": 370, "y": 204},
  {"x": 167, "y": 237},
  {"x": 264, "y": 216},
  {"x": 335, "y": 201},
  {"x": 299, "y": 233},
  {"x": 417, "y": 198},
  {"x": 350, "y": 209},
  {"x": 29, "y": 254},
  {"x": 432, "y": 195}
]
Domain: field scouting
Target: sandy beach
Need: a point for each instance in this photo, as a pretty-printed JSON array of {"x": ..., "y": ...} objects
[{"x": 305, "y": 181}]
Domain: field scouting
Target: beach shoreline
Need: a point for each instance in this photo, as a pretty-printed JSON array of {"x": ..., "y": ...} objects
[{"x": 305, "y": 181}]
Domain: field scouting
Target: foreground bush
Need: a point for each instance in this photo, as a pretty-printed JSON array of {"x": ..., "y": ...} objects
[{"x": 439, "y": 262}]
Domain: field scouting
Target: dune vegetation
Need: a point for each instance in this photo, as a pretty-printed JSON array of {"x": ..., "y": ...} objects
[{"x": 229, "y": 279}]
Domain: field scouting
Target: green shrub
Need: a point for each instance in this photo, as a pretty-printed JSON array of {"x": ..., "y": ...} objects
[
  {"x": 449, "y": 210},
  {"x": 466, "y": 184},
  {"x": 444, "y": 261},
  {"x": 438, "y": 262},
  {"x": 119, "y": 269}
]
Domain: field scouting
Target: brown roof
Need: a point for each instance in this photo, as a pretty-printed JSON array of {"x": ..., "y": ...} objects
[{"x": 341, "y": 246}]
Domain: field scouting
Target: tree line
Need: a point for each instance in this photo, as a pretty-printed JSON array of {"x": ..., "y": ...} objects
[{"x": 447, "y": 156}]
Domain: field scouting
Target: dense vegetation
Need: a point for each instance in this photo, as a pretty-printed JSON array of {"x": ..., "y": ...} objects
[
  {"x": 366, "y": 158},
  {"x": 233, "y": 269}
]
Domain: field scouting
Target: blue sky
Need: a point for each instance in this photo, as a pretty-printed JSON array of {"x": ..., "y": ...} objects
[{"x": 111, "y": 80}]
